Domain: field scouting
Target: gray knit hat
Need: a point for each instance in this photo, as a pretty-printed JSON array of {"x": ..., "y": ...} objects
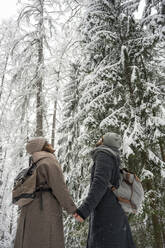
[
  {"x": 112, "y": 139},
  {"x": 35, "y": 145}
]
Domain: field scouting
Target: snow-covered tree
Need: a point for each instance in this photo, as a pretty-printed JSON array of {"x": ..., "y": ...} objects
[
  {"x": 154, "y": 17},
  {"x": 119, "y": 91},
  {"x": 69, "y": 153},
  {"x": 32, "y": 68},
  {"x": 113, "y": 73},
  {"x": 8, "y": 33}
]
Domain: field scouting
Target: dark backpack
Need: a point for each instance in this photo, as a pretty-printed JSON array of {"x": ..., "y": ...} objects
[{"x": 25, "y": 185}]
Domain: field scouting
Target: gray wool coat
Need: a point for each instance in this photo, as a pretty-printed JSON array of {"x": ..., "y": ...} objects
[
  {"x": 43, "y": 227},
  {"x": 108, "y": 224}
]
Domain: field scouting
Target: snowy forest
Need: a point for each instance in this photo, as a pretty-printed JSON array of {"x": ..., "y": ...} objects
[{"x": 72, "y": 70}]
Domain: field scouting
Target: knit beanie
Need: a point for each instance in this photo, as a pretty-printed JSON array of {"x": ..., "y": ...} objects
[
  {"x": 35, "y": 145},
  {"x": 112, "y": 139}
]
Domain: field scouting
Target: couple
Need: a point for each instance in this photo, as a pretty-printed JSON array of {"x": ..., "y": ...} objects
[{"x": 40, "y": 223}]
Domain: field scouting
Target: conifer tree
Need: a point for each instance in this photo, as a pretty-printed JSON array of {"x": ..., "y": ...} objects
[
  {"x": 69, "y": 155},
  {"x": 118, "y": 92}
]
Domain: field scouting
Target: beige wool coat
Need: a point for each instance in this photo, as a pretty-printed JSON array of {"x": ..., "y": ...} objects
[{"x": 43, "y": 227}]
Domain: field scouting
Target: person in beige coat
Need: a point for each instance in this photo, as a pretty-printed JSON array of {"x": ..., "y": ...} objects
[{"x": 40, "y": 223}]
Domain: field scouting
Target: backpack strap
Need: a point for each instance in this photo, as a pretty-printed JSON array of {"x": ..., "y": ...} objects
[
  {"x": 40, "y": 190},
  {"x": 31, "y": 161},
  {"x": 128, "y": 202},
  {"x": 121, "y": 199},
  {"x": 32, "y": 164}
]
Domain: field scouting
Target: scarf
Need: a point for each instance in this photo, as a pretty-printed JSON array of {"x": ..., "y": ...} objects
[{"x": 107, "y": 149}]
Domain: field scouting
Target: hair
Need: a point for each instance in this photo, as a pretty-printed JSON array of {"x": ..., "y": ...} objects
[
  {"x": 46, "y": 147},
  {"x": 99, "y": 142}
]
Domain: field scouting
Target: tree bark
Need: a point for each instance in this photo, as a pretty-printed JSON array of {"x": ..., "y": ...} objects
[
  {"x": 54, "y": 123},
  {"x": 39, "y": 104},
  {"x": 3, "y": 75},
  {"x": 162, "y": 150},
  {"x": 11, "y": 220},
  {"x": 155, "y": 219}
]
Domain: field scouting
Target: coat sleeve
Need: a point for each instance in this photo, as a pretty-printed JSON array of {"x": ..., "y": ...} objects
[
  {"x": 55, "y": 180},
  {"x": 99, "y": 185}
]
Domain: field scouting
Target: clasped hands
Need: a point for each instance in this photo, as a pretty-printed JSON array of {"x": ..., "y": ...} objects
[{"x": 78, "y": 218}]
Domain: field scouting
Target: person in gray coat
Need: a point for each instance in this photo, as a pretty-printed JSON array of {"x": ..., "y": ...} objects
[{"x": 108, "y": 224}]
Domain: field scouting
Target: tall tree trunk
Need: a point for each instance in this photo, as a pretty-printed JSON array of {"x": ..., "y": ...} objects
[
  {"x": 162, "y": 150},
  {"x": 163, "y": 159},
  {"x": 3, "y": 214},
  {"x": 11, "y": 220},
  {"x": 155, "y": 219},
  {"x": 127, "y": 74},
  {"x": 39, "y": 83},
  {"x": 157, "y": 232},
  {"x": 54, "y": 123},
  {"x": 39, "y": 110},
  {"x": 3, "y": 75},
  {"x": 55, "y": 110},
  {"x": 1, "y": 163}
]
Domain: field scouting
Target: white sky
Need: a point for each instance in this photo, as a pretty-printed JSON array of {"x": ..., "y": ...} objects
[
  {"x": 7, "y": 8},
  {"x": 139, "y": 13}
]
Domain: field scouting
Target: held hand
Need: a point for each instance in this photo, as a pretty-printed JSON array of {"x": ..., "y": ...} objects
[{"x": 78, "y": 218}]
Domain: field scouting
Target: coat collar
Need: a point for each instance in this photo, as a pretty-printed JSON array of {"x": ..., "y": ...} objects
[
  {"x": 107, "y": 149},
  {"x": 42, "y": 154}
]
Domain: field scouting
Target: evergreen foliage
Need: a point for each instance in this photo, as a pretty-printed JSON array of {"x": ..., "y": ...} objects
[
  {"x": 119, "y": 91},
  {"x": 110, "y": 69}
]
